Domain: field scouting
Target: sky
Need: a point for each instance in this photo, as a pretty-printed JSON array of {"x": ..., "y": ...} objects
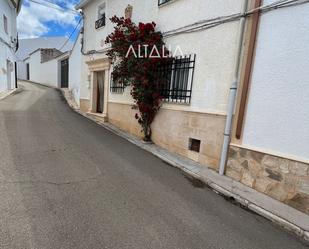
[{"x": 37, "y": 20}]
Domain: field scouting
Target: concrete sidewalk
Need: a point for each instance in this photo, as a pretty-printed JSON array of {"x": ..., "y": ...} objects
[
  {"x": 279, "y": 213},
  {"x": 7, "y": 93}
]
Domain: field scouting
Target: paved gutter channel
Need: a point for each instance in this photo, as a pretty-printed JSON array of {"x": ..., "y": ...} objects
[{"x": 201, "y": 176}]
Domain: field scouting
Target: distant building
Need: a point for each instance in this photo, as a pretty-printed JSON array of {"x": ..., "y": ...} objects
[
  {"x": 9, "y": 10},
  {"x": 27, "y": 46},
  {"x": 48, "y": 66},
  {"x": 75, "y": 68}
]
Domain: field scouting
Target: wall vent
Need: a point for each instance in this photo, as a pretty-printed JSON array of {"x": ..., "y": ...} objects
[{"x": 194, "y": 144}]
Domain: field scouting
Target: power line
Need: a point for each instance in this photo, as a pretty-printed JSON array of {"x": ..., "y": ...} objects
[
  {"x": 6, "y": 43},
  {"x": 63, "y": 7},
  {"x": 49, "y": 4},
  {"x": 210, "y": 23},
  {"x": 65, "y": 43},
  {"x": 59, "y": 8}
]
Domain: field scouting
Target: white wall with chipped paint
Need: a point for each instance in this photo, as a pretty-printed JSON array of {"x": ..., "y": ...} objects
[
  {"x": 75, "y": 67},
  {"x": 46, "y": 73},
  {"x": 7, "y": 54}
]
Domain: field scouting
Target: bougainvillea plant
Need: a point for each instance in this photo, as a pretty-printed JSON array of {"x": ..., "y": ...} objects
[{"x": 137, "y": 51}]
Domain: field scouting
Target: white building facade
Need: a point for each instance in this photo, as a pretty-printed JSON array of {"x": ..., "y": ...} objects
[
  {"x": 27, "y": 46},
  {"x": 208, "y": 102},
  {"x": 9, "y": 10},
  {"x": 48, "y": 67},
  {"x": 194, "y": 126}
]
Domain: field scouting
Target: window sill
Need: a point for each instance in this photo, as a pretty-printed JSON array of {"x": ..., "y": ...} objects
[
  {"x": 116, "y": 93},
  {"x": 170, "y": 103},
  {"x": 98, "y": 29}
]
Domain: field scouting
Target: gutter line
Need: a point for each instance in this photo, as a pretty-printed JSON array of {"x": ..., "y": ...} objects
[{"x": 233, "y": 92}]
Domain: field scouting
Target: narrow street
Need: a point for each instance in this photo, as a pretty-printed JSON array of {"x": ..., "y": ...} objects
[{"x": 66, "y": 182}]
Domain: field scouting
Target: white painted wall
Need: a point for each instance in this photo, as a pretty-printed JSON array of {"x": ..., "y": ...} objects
[
  {"x": 21, "y": 70},
  {"x": 277, "y": 117},
  {"x": 215, "y": 48},
  {"x": 46, "y": 73},
  {"x": 75, "y": 67},
  {"x": 27, "y": 46},
  {"x": 7, "y": 53}
]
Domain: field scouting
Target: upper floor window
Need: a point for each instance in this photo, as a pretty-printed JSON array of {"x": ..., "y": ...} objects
[
  {"x": 160, "y": 2},
  {"x": 178, "y": 79},
  {"x": 5, "y": 24},
  {"x": 101, "y": 16}
]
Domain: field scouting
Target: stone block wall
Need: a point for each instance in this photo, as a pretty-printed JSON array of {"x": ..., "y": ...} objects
[
  {"x": 173, "y": 128},
  {"x": 122, "y": 116},
  {"x": 282, "y": 179},
  {"x": 84, "y": 105}
]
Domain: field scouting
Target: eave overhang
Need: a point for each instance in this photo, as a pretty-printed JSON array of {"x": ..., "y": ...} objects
[{"x": 82, "y": 4}]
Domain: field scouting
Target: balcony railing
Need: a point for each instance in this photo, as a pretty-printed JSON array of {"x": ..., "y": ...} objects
[
  {"x": 160, "y": 2},
  {"x": 100, "y": 22}
]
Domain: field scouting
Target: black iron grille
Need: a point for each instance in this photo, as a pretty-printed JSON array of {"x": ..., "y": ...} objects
[
  {"x": 116, "y": 87},
  {"x": 160, "y": 2},
  {"x": 178, "y": 75},
  {"x": 100, "y": 22}
]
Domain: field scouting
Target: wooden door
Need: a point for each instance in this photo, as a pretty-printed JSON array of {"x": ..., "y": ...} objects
[
  {"x": 28, "y": 71},
  {"x": 100, "y": 92},
  {"x": 65, "y": 73}
]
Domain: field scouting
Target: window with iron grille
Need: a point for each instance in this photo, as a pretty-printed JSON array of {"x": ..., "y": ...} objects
[
  {"x": 100, "y": 22},
  {"x": 101, "y": 16},
  {"x": 116, "y": 86},
  {"x": 160, "y": 2},
  {"x": 178, "y": 78}
]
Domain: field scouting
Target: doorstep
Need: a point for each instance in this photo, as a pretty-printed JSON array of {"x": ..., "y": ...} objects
[
  {"x": 278, "y": 212},
  {"x": 102, "y": 117}
]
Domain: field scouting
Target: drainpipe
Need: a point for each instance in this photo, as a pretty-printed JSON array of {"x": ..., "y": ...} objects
[
  {"x": 82, "y": 33},
  {"x": 91, "y": 52},
  {"x": 233, "y": 92}
]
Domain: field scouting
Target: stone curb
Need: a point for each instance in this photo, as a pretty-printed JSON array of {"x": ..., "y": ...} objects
[
  {"x": 262, "y": 212},
  {"x": 41, "y": 84},
  {"x": 186, "y": 166},
  {"x": 8, "y": 93}
]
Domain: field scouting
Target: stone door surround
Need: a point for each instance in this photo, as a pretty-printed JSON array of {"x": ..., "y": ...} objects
[{"x": 94, "y": 66}]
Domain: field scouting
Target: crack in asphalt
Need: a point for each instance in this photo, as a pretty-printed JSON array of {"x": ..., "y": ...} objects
[{"x": 52, "y": 183}]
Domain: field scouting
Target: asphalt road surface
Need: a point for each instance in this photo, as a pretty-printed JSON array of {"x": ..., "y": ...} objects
[{"x": 66, "y": 182}]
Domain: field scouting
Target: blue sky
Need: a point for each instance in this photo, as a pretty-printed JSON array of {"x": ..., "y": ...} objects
[{"x": 43, "y": 18}]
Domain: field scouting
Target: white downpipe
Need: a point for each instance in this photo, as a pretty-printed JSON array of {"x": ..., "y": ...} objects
[{"x": 232, "y": 95}]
